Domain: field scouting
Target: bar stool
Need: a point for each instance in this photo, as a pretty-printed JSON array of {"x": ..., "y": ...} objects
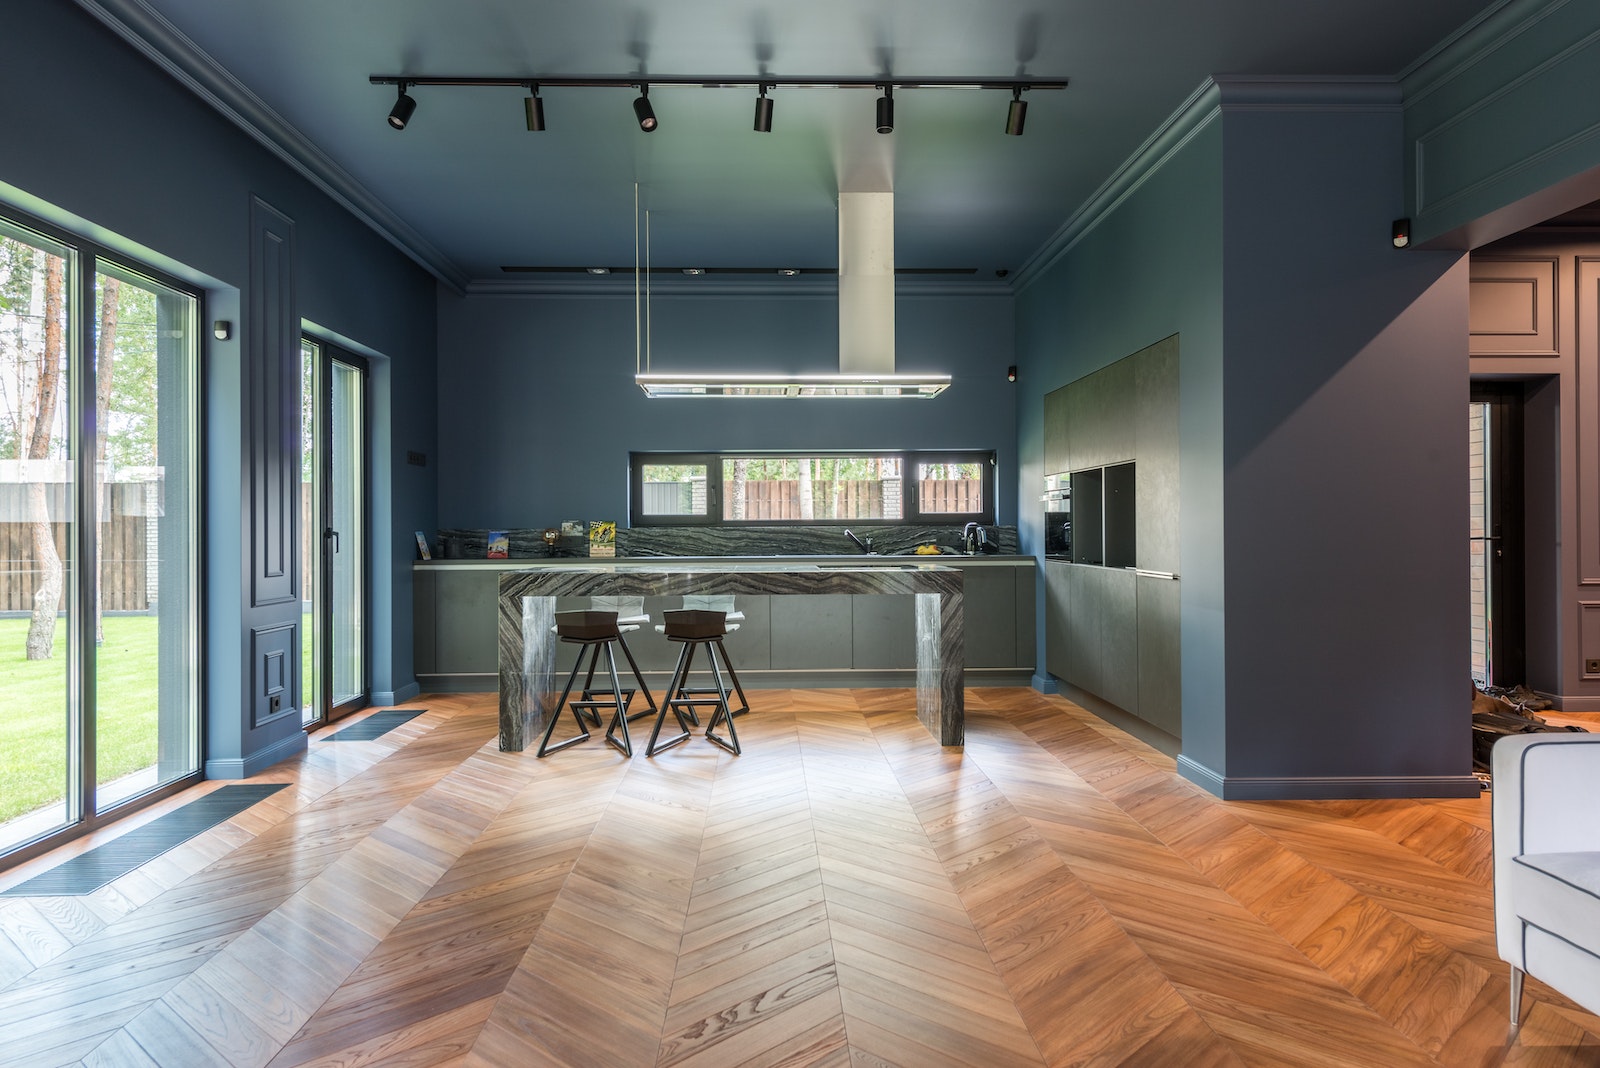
[
  {"x": 630, "y": 615},
  {"x": 719, "y": 602},
  {"x": 695, "y": 628},
  {"x": 593, "y": 632}
]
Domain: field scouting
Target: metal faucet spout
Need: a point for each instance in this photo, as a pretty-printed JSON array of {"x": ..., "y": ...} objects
[{"x": 864, "y": 546}]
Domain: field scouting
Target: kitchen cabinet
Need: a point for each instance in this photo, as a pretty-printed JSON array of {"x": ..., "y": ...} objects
[{"x": 824, "y": 640}]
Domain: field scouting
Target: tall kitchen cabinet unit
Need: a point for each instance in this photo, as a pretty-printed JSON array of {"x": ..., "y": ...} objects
[{"x": 1111, "y": 625}]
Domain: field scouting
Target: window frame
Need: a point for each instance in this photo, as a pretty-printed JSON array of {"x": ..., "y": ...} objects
[{"x": 913, "y": 516}]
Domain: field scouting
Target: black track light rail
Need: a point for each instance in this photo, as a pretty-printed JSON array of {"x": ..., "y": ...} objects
[{"x": 768, "y": 82}]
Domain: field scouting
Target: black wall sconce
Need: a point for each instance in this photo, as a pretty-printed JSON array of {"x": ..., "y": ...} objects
[
  {"x": 222, "y": 329},
  {"x": 1011, "y": 373},
  {"x": 1400, "y": 232}
]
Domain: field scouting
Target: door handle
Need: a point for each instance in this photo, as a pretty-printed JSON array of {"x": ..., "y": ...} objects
[{"x": 334, "y": 534}]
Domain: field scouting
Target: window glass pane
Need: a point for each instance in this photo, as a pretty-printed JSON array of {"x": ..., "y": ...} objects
[
  {"x": 37, "y": 536},
  {"x": 144, "y": 627},
  {"x": 346, "y": 498},
  {"x": 950, "y": 488},
  {"x": 311, "y": 681},
  {"x": 764, "y": 489},
  {"x": 674, "y": 489}
]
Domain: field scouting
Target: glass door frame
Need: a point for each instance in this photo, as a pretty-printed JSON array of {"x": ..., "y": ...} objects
[
  {"x": 1503, "y": 523},
  {"x": 83, "y": 265},
  {"x": 326, "y": 355}
]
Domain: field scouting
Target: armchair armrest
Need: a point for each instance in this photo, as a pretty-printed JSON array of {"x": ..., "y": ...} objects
[{"x": 1546, "y": 791}]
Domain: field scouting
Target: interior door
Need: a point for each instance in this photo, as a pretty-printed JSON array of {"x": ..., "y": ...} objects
[
  {"x": 334, "y": 532},
  {"x": 1495, "y": 542}
]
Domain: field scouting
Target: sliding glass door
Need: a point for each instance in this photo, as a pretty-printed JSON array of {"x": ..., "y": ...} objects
[
  {"x": 333, "y": 517},
  {"x": 99, "y": 637}
]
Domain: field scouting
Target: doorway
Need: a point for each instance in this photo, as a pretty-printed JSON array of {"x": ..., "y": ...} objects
[
  {"x": 333, "y": 532},
  {"x": 1495, "y": 536}
]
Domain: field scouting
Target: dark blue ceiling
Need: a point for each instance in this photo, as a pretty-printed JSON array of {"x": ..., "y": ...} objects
[{"x": 467, "y": 189}]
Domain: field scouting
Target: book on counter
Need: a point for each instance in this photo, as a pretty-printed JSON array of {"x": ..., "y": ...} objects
[
  {"x": 499, "y": 545},
  {"x": 422, "y": 547},
  {"x": 602, "y": 538}
]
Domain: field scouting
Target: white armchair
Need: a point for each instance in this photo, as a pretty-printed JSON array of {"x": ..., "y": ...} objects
[{"x": 1547, "y": 863}]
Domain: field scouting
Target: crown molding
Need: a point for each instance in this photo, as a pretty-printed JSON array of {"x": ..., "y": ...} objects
[
  {"x": 1192, "y": 116},
  {"x": 1215, "y": 96},
  {"x": 170, "y": 49},
  {"x": 1471, "y": 43},
  {"x": 822, "y": 288}
]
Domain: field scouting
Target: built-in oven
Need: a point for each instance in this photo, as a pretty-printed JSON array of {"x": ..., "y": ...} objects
[{"x": 1057, "y": 500}]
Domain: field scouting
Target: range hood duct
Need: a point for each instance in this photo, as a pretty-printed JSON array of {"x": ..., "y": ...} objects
[{"x": 866, "y": 325}]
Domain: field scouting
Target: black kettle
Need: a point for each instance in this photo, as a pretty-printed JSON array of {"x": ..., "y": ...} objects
[{"x": 976, "y": 539}]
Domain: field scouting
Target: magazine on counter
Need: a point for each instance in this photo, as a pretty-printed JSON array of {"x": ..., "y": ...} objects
[
  {"x": 602, "y": 538},
  {"x": 499, "y": 545},
  {"x": 422, "y": 547}
]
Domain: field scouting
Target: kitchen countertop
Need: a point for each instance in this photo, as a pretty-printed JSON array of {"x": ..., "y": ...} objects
[{"x": 520, "y": 563}]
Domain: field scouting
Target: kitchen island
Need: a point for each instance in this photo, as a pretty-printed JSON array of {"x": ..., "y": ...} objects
[{"x": 529, "y": 686}]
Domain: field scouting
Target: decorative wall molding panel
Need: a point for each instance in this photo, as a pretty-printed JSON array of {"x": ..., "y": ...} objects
[{"x": 1512, "y": 307}]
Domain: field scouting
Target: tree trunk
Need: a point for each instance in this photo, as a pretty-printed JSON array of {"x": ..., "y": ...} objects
[
  {"x": 104, "y": 360},
  {"x": 741, "y": 475},
  {"x": 47, "y": 598},
  {"x": 807, "y": 510}
]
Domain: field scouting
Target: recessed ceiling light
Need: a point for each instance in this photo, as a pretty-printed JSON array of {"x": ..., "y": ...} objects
[
  {"x": 598, "y": 270},
  {"x": 788, "y": 272},
  {"x": 694, "y": 270}
]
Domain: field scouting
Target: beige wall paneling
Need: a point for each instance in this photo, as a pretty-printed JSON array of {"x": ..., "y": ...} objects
[{"x": 1512, "y": 307}]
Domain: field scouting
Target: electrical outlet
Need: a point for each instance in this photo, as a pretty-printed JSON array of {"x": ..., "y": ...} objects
[
  {"x": 1592, "y": 666},
  {"x": 275, "y": 703}
]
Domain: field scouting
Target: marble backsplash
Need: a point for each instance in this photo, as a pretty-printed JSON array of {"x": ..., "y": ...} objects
[{"x": 528, "y": 542}]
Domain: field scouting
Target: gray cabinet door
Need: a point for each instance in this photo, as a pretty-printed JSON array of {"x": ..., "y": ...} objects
[
  {"x": 1119, "y": 641},
  {"x": 1057, "y": 609},
  {"x": 1088, "y": 594},
  {"x": 1056, "y": 452},
  {"x": 424, "y": 609},
  {"x": 467, "y": 638},
  {"x": 884, "y": 629},
  {"x": 1160, "y": 673},
  {"x": 989, "y": 595},
  {"x": 812, "y": 632}
]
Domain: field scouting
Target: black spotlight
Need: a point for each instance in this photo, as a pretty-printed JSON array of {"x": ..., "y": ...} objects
[
  {"x": 1400, "y": 232},
  {"x": 1017, "y": 113},
  {"x": 400, "y": 114},
  {"x": 886, "y": 110},
  {"x": 642, "y": 109},
  {"x": 763, "y": 112},
  {"x": 534, "y": 106}
]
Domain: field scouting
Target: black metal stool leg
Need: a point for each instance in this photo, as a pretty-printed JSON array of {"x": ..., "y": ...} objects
[
  {"x": 619, "y": 719},
  {"x": 679, "y": 673},
  {"x": 723, "y": 712},
  {"x": 593, "y": 650},
  {"x": 744, "y": 702},
  {"x": 650, "y": 702},
  {"x": 577, "y": 716}
]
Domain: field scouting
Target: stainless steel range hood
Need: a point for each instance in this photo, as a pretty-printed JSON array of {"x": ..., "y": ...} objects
[{"x": 866, "y": 326}]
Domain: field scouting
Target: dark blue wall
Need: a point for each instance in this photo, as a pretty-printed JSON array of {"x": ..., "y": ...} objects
[
  {"x": 538, "y": 409},
  {"x": 97, "y": 139}
]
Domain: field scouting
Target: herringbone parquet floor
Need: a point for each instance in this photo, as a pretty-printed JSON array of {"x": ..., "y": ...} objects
[{"x": 844, "y": 893}]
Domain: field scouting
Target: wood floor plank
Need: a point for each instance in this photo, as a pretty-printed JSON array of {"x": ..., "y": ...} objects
[{"x": 846, "y": 892}]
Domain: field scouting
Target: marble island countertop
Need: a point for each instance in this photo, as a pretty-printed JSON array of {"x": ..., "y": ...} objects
[
  {"x": 856, "y": 560},
  {"x": 529, "y": 589}
]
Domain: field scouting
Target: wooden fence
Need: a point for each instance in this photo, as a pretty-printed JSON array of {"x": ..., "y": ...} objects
[
  {"x": 779, "y": 499},
  {"x": 123, "y": 565}
]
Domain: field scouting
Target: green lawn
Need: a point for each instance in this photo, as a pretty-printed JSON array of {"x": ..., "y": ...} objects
[{"x": 33, "y": 732}]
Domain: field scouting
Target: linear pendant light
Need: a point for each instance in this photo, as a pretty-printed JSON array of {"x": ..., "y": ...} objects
[{"x": 866, "y": 323}]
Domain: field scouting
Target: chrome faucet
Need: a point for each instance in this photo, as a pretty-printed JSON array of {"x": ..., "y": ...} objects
[{"x": 864, "y": 546}]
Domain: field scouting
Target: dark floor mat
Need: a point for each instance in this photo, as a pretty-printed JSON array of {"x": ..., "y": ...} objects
[
  {"x": 88, "y": 872},
  {"x": 375, "y": 726}
]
